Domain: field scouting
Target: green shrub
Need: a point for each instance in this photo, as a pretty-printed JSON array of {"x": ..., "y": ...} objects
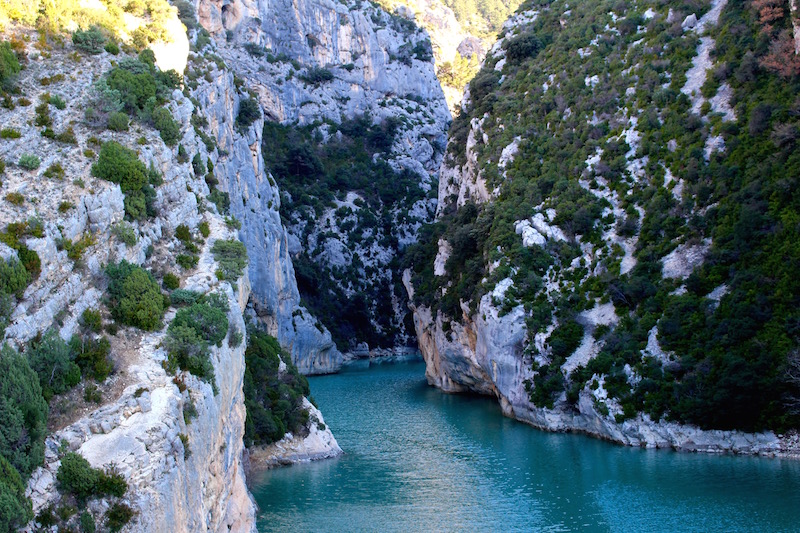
[
  {"x": 14, "y": 277},
  {"x": 118, "y": 516},
  {"x": 57, "y": 102},
  {"x": 209, "y": 322},
  {"x": 204, "y": 228},
  {"x": 67, "y": 136},
  {"x": 111, "y": 483},
  {"x": 180, "y": 297},
  {"x": 186, "y": 14},
  {"x": 317, "y": 75},
  {"x": 171, "y": 281},
  {"x": 112, "y": 48},
  {"x": 76, "y": 249},
  {"x": 54, "y": 171},
  {"x": 220, "y": 199},
  {"x": 91, "y": 355},
  {"x": 89, "y": 41},
  {"x": 121, "y": 165},
  {"x": 254, "y": 50},
  {"x": 91, "y": 394},
  {"x": 29, "y": 161},
  {"x": 15, "y": 198},
  {"x": 15, "y": 508},
  {"x": 52, "y": 359},
  {"x": 10, "y": 133},
  {"x": 125, "y": 233},
  {"x": 183, "y": 234},
  {"x": 198, "y": 166},
  {"x": 231, "y": 256},
  {"x": 186, "y": 261},
  {"x": 77, "y": 477},
  {"x": 274, "y": 402},
  {"x": 136, "y": 298},
  {"x": 249, "y": 112},
  {"x": 118, "y": 121},
  {"x": 183, "y": 155},
  {"x": 86, "y": 520},
  {"x": 92, "y": 320},
  {"x": 23, "y": 413},
  {"x": 43, "y": 117},
  {"x": 9, "y": 65},
  {"x": 169, "y": 129},
  {"x": 187, "y": 351}
]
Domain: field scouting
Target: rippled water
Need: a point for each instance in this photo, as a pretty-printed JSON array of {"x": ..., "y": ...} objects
[{"x": 420, "y": 460}]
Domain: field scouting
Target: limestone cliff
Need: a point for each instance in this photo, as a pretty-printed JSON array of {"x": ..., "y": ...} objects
[
  {"x": 563, "y": 278},
  {"x": 316, "y": 66},
  {"x": 254, "y": 201},
  {"x": 183, "y": 473}
]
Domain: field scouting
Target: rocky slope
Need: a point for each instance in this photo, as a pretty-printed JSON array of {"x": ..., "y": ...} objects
[
  {"x": 139, "y": 429},
  {"x": 254, "y": 201},
  {"x": 175, "y": 439},
  {"x": 588, "y": 266},
  {"x": 339, "y": 77}
]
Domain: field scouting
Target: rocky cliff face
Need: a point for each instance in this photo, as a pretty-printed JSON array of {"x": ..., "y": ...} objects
[
  {"x": 254, "y": 201},
  {"x": 314, "y": 66},
  {"x": 551, "y": 282},
  {"x": 174, "y": 484}
]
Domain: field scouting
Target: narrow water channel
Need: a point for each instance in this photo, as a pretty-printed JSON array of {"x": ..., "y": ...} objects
[{"x": 420, "y": 460}]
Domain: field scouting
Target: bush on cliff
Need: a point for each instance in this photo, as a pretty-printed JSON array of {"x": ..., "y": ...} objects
[
  {"x": 193, "y": 330},
  {"x": 274, "y": 400},
  {"x": 15, "y": 508},
  {"x": 136, "y": 299},
  {"x": 232, "y": 258},
  {"x": 23, "y": 413},
  {"x": 54, "y": 362},
  {"x": 119, "y": 164}
]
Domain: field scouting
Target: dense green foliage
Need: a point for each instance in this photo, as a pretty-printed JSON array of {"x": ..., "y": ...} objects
[
  {"x": 108, "y": 15},
  {"x": 77, "y": 477},
  {"x": 16, "y": 275},
  {"x": 13, "y": 277},
  {"x": 203, "y": 323},
  {"x": 232, "y": 258},
  {"x": 249, "y": 112},
  {"x": 732, "y": 356},
  {"x": 484, "y": 17},
  {"x": 169, "y": 129},
  {"x": 54, "y": 362},
  {"x": 9, "y": 64},
  {"x": 119, "y": 164},
  {"x": 314, "y": 175},
  {"x": 274, "y": 400},
  {"x": 135, "y": 297},
  {"x": 90, "y": 41},
  {"x": 15, "y": 508},
  {"x": 23, "y": 413}
]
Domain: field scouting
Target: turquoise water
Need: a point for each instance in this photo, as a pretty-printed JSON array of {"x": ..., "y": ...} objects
[{"x": 420, "y": 460}]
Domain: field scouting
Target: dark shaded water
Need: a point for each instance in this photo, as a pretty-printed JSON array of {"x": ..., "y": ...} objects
[{"x": 420, "y": 460}]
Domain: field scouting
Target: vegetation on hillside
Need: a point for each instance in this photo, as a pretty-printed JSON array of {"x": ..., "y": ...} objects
[
  {"x": 107, "y": 19},
  {"x": 733, "y": 357},
  {"x": 273, "y": 399},
  {"x": 315, "y": 176}
]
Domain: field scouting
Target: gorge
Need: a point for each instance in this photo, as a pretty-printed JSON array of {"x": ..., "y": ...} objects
[{"x": 601, "y": 236}]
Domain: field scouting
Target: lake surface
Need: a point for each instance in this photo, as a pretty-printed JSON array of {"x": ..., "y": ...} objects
[{"x": 420, "y": 460}]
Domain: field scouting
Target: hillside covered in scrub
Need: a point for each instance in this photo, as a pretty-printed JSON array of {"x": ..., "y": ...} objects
[
  {"x": 617, "y": 233},
  {"x": 131, "y": 380}
]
